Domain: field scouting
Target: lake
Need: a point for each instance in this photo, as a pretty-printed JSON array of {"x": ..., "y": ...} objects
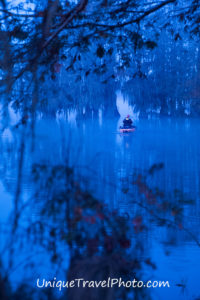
[{"x": 108, "y": 162}]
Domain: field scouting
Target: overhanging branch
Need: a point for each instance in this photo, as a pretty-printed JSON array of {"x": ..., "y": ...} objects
[
  {"x": 118, "y": 25},
  {"x": 70, "y": 16}
]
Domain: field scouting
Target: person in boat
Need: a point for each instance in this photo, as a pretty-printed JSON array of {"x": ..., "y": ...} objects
[{"x": 127, "y": 121}]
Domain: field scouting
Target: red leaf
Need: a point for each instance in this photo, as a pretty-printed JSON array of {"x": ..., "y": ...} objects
[
  {"x": 125, "y": 243},
  {"x": 92, "y": 245},
  {"x": 57, "y": 67},
  {"x": 180, "y": 226},
  {"x": 90, "y": 219},
  {"x": 174, "y": 212},
  {"x": 150, "y": 197},
  {"x": 40, "y": 13},
  {"x": 109, "y": 243},
  {"x": 101, "y": 216},
  {"x": 78, "y": 212},
  {"x": 137, "y": 221}
]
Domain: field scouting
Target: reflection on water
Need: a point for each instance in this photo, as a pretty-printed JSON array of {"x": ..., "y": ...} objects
[{"x": 108, "y": 158}]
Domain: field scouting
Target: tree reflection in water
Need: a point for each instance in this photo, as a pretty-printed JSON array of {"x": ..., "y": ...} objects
[{"x": 84, "y": 236}]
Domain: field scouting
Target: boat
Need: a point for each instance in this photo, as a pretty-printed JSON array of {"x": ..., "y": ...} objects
[{"x": 125, "y": 129}]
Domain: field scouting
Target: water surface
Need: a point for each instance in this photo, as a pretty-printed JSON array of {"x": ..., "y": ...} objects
[{"x": 109, "y": 160}]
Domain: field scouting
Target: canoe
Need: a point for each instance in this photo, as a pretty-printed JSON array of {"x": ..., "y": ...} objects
[{"x": 127, "y": 129}]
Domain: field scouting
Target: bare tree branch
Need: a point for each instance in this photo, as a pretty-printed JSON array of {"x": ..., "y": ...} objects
[
  {"x": 136, "y": 20},
  {"x": 51, "y": 10},
  {"x": 70, "y": 16}
]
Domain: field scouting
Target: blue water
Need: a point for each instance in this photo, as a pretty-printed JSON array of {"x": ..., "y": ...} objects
[{"x": 109, "y": 159}]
